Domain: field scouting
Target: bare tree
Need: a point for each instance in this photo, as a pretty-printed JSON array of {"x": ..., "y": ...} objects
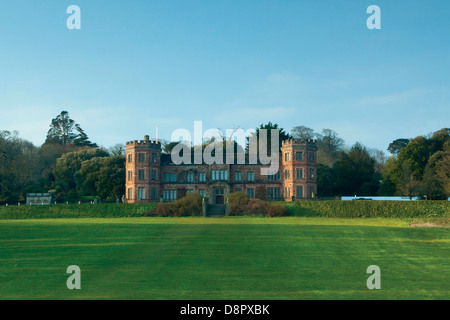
[
  {"x": 303, "y": 133},
  {"x": 330, "y": 141},
  {"x": 117, "y": 150}
]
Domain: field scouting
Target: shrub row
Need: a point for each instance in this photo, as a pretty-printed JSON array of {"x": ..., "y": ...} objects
[
  {"x": 240, "y": 204},
  {"x": 370, "y": 209},
  {"x": 190, "y": 205},
  {"x": 112, "y": 210}
]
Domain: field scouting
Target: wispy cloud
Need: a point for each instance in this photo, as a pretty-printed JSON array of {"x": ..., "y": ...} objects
[{"x": 395, "y": 98}]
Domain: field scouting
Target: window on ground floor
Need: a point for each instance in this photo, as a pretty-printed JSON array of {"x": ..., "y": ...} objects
[
  {"x": 273, "y": 193},
  {"x": 141, "y": 193},
  {"x": 299, "y": 192},
  {"x": 153, "y": 194},
  {"x": 169, "y": 195}
]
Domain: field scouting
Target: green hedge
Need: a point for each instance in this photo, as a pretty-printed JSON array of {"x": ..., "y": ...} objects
[
  {"x": 370, "y": 209},
  {"x": 111, "y": 210},
  {"x": 329, "y": 209}
]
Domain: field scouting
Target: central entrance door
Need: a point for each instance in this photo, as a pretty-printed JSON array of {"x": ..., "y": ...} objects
[
  {"x": 220, "y": 200},
  {"x": 220, "y": 196}
]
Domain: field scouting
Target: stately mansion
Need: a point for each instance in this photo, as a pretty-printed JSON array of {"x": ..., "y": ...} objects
[{"x": 151, "y": 176}]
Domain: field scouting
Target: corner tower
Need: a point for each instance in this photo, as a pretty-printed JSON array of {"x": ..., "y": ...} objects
[
  {"x": 143, "y": 163},
  {"x": 299, "y": 169}
]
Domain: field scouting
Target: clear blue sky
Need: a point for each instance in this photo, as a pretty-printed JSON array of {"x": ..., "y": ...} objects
[{"x": 138, "y": 64}]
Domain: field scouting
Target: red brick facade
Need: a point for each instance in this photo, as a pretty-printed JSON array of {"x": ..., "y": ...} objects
[{"x": 152, "y": 177}]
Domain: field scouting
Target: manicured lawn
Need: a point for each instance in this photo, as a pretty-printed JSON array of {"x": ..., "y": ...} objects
[{"x": 230, "y": 258}]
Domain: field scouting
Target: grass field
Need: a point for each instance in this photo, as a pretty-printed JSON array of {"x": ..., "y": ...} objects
[{"x": 230, "y": 258}]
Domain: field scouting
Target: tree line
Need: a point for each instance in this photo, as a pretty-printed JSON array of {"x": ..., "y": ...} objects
[
  {"x": 68, "y": 165},
  {"x": 72, "y": 167},
  {"x": 417, "y": 167}
]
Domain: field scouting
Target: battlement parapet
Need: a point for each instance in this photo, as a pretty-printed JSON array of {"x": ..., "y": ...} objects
[
  {"x": 144, "y": 143},
  {"x": 298, "y": 142}
]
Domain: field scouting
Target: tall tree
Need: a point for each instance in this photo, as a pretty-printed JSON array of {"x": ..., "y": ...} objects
[
  {"x": 65, "y": 131},
  {"x": 355, "y": 172},
  {"x": 102, "y": 176},
  {"x": 81, "y": 139},
  {"x": 390, "y": 177},
  {"x": 330, "y": 141},
  {"x": 409, "y": 184},
  {"x": 71, "y": 162},
  {"x": 416, "y": 169},
  {"x": 283, "y": 135},
  {"x": 61, "y": 129},
  {"x": 397, "y": 145},
  {"x": 439, "y": 139},
  {"x": 326, "y": 181},
  {"x": 117, "y": 150},
  {"x": 168, "y": 146},
  {"x": 443, "y": 173},
  {"x": 18, "y": 165},
  {"x": 329, "y": 147},
  {"x": 416, "y": 154},
  {"x": 303, "y": 133},
  {"x": 380, "y": 159}
]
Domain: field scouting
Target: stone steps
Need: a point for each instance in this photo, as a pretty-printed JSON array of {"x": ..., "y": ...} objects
[{"x": 216, "y": 210}]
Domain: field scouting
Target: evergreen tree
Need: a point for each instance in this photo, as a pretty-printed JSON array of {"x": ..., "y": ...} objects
[
  {"x": 61, "y": 130},
  {"x": 283, "y": 135},
  {"x": 82, "y": 140},
  {"x": 397, "y": 145},
  {"x": 355, "y": 172},
  {"x": 65, "y": 131}
]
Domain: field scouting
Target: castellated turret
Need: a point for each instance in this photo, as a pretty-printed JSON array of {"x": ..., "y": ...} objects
[
  {"x": 299, "y": 169},
  {"x": 143, "y": 174}
]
